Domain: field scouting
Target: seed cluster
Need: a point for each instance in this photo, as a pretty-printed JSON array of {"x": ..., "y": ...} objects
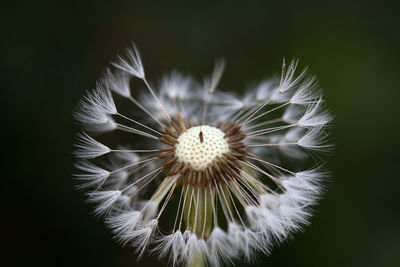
[{"x": 203, "y": 155}]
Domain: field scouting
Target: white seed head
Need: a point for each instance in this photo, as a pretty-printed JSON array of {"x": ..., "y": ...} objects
[
  {"x": 199, "y": 146},
  {"x": 219, "y": 168}
]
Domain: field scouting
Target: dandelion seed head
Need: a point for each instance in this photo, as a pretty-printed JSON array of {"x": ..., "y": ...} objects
[{"x": 211, "y": 157}]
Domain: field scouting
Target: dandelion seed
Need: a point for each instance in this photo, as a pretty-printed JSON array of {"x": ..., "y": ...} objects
[
  {"x": 87, "y": 147},
  {"x": 90, "y": 174},
  {"x": 210, "y": 158},
  {"x": 104, "y": 200}
]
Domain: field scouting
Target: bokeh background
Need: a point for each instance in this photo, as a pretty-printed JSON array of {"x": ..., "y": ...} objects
[{"x": 51, "y": 51}]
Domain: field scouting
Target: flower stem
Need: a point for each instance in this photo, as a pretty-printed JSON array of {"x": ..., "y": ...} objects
[{"x": 198, "y": 261}]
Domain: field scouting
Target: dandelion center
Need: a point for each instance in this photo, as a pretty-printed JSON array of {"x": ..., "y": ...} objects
[{"x": 199, "y": 146}]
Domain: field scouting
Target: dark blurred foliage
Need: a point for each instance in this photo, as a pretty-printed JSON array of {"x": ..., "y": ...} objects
[{"x": 51, "y": 51}]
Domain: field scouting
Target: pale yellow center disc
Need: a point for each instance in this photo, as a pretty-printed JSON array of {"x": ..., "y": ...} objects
[{"x": 200, "y": 145}]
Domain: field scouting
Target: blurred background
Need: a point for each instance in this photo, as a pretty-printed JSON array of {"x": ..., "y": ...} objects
[{"x": 51, "y": 51}]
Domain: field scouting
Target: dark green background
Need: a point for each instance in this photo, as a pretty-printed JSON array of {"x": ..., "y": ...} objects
[{"x": 51, "y": 51}]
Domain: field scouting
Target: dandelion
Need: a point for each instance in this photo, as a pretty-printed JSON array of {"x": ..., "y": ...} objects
[{"x": 197, "y": 175}]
